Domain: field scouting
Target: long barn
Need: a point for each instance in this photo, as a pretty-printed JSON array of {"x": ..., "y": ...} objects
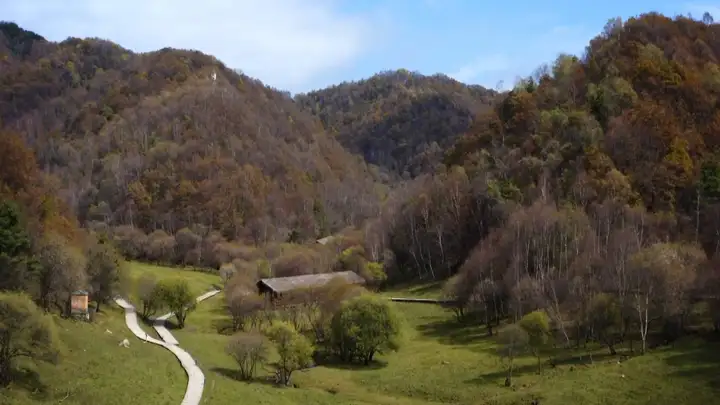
[{"x": 275, "y": 287}]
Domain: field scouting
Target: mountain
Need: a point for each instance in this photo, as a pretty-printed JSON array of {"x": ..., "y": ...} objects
[
  {"x": 173, "y": 139},
  {"x": 398, "y": 120},
  {"x": 621, "y": 143},
  {"x": 635, "y": 119}
]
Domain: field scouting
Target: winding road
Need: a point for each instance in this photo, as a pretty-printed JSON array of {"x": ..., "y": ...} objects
[{"x": 196, "y": 378}]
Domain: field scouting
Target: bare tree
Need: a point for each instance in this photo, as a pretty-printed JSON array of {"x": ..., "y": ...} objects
[{"x": 248, "y": 350}]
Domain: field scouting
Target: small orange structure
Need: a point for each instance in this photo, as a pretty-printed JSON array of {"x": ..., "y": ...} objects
[{"x": 79, "y": 304}]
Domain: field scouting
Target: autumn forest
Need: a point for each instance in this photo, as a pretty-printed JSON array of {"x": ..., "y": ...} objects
[{"x": 590, "y": 191}]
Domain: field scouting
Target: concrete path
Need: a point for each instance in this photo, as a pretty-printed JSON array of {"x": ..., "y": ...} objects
[
  {"x": 207, "y": 295},
  {"x": 162, "y": 331},
  {"x": 159, "y": 323},
  {"x": 196, "y": 379}
]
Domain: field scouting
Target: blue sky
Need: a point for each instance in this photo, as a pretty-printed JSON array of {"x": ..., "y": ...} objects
[{"x": 300, "y": 45}]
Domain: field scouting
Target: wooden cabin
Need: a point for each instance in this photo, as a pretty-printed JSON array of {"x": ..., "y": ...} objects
[
  {"x": 79, "y": 304},
  {"x": 275, "y": 287}
]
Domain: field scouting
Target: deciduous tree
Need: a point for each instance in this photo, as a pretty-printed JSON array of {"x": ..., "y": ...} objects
[
  {"x": 294, "y": 349},
  {"x": 364, "y": 326},
  {"x": 513, "y": 341},
  {"x": 178, "y": 298},
  {"x": 249, "y": 350}
]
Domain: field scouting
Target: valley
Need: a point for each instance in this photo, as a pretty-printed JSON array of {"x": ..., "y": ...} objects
[{"x": 569, "y": 227}]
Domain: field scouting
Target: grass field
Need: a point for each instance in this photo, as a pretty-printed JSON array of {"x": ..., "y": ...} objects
[
  {"x": 200, "y": 282},
  {"x": 441, "y": 362},
  {"x": 95, "y": 370},
  {"x": 444, "y": 363}
]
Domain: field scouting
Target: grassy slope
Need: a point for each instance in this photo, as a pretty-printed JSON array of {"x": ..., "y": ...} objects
[
  {"x": 95, "y": 370},
  {"x": 441, "y": 362},
  {"x": 444, "y": 363},
  {"x": 199, "y": 282}
]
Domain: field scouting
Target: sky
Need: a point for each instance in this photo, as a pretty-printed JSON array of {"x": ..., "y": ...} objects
[{"x": 302, "y": 45}]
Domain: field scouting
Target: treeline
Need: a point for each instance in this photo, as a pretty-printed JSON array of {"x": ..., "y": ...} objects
[
  {"x": 205, "y": 250},
  {"x": 609, "y": 276},
  {"x": 568, "y": 281}
]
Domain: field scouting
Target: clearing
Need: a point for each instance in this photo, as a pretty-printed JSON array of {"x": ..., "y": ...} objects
[
  {"x": 441, "y": 362},
  {"x": 199, "y": 281}
]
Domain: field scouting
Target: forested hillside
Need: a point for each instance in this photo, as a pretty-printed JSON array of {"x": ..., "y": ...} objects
[
  {"x": 623, "y": 135},
  {"x": 613, "y": 149},
  {"x": 579, "y": 210},
  {"x": 398, "y": 120},
  {"x": 44, "y": 255},
  {"x": 152, "y": 141}
]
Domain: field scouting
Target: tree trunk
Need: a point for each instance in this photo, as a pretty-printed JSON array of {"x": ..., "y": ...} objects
[
  {"x": 508, "y": 379},
  {"x": 643, "y": 321},
  {"x": 612, "y": 349},
  {"x": 180, "y": 316},
  {"x": 287, "y": 377},
  {"x": 5, "y": 365}
]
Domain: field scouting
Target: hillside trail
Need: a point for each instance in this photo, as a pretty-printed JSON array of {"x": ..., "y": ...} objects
[{"x": 196, "y": 378}]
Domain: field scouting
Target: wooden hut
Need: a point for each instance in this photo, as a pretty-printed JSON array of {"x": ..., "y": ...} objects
[{"x": 79, "y": 304}]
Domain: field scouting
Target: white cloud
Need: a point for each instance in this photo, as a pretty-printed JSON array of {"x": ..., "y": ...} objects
[
  {"x": 285, "y": 43},
  {"x": 480, "y": 66},
  {"x": 519, "y": 57}
]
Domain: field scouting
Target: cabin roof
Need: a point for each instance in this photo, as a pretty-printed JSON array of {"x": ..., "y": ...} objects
[{"x": 283, "y": 284}]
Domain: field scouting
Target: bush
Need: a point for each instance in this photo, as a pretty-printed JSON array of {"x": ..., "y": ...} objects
[
  {"x": 295, "y": 350},
  {"x": 26, "y": 332},
  {"x": 244, "y": 307},
  {"x": 364, "y": 326}
]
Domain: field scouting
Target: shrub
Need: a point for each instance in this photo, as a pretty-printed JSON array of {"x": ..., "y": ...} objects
[
  {"x": 364, "y": 326},
  {"x": 295, "y": 350}
]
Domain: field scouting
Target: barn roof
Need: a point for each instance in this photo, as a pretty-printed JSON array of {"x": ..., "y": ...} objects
[{"x": 283, "y": 284}]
